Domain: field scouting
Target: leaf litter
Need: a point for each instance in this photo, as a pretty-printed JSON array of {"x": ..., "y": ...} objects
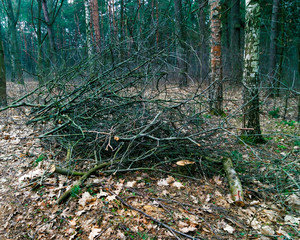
[{"x": 202, "y": 208}]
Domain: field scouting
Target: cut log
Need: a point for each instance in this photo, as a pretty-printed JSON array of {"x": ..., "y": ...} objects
[{"x": 234, "y": 182}]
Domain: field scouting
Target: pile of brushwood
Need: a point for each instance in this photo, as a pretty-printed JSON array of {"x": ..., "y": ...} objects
[{"x": 123, "y": 116}]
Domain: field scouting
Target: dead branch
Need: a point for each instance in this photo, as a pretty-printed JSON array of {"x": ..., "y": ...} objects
[{"x": 234, "y": 182}]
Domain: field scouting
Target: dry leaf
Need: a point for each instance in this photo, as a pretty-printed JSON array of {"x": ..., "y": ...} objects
[
  {"x": 187, "y": 229},
  {"x": 102, "y": 194},
  {"x": 162, "y": 182},
  {"x": 292, "y": 220},
  {"x": 131, "y": 184},
  {"x": 111, "y": 198},
  {"x": 267, "y": 230},
  {"x": 170, "y": 179},
  {"x": 177, "y": 184},
  {"x": 226, "y": 227},
  {"x": 184, "y": 162},
  {"x": 86, "y": 198},
  {"x": 217, "y": 180},
  {"x": 95, "y": 231}
]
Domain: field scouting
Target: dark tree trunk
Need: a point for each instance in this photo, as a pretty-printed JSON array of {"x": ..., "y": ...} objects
[
  {"x": 180, "y": 44},
  {"x": 39, "y": 44},
  {"x": 235, "y": 41},
  {"x": 273, "y": 47},
  {"x": 50, "y": 31},
  {"x": 17, "y": 72},
  {"x": 96, "y": 23},
  {"x": 3, "y": 97},
  {"x": 203, "y": 51}
]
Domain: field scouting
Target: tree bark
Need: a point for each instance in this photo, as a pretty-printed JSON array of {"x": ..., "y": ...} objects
[
  {"x": 13, "y": 18},
  {"x": 273, "y": 47},
  {"x": 234, "y": 182},
  {"x": 88, "y": 28},
  {"x": 96, "y": 25},
  {"x": 203, "y": 51},
  {"x": 50, "y": 31},
  {"x": 216, "y": 88},
  {"x": 250, "y": 74},
  {"x": 39, "y": 44},
  {"x": 3, "y": 96},
  {"x": 180, "y": 32},
  {"x": 235, "y": 41}
]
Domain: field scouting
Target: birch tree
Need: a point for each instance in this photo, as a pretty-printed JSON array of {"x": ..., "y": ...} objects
[
  {"x": 88, "y": 27},
  {"x": 250, "y": 73},
  {"x": 216, "y": 88}
]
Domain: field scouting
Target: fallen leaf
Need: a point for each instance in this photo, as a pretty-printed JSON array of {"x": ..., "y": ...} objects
[
  {"x": 95, "y": 231},
  {"x": 292, "y": 220},
  {"x": 162, "y": 182},
  {"x": 267, "y": 230},
  {"x": 102, "y": 194},
  {"x": 131, "y": 184},
  {"x": 217, "y": 180},
  {"x": 86, "y": 198},
  {"x": 187, "y": 229},
  {"x": 225, "y": 226},
  {"x": 177, "y": 184},
  {"x": 184, "y": 162},
  {"x": 111, "y": 198}
]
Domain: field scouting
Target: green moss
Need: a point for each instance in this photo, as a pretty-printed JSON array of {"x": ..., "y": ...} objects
[{"x": 252, "y": 139}]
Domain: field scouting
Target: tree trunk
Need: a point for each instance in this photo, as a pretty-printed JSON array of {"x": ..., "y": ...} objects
[
  {"x": 88, "y": 28},
  {"x": 235, "y": 41},
  {"x": 180, "y": 44},
  {"x": 203, "y": 51},
  {"x": 216, "y": 88},
  {"x": 39, "y": 45},
  {"x": 50, "y": 31},
  {"x": 95, "y": 18},
  {"x": 250, "y": 75},
  {"x": 273, "y": 47},
  {"x": 17, "y": 72},
  {"x": 3, "y": 97}
]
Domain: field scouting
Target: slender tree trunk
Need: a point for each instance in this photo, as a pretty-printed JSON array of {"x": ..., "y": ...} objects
[
  {"x": 96, "y": 25},
  {"x": 181, "y": 44},
  {"x": 157, "y": 25},
  {"x": 216, "y": 89},
  {"x": 298, "y": 46},
  {"x": 3, "y": 96},
  {"x": 250, "y": 75},
  {"x": 273, "y": 47},
  {"x": 122, "y": 31},
  {"x": 39, "y": 43},
  {"x": 50, "y": 32},
  {"x": 13, "y": 17},
  {"x": 235, "y": 41},
  {"x": 88, "y": 28},
  {"x": 203, "y": 51}
]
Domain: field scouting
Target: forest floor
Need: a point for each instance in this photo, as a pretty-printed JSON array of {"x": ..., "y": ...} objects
[{"x": 139, "y": 205}]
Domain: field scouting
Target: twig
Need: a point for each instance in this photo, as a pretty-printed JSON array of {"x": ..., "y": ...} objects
[{"x": 152, "y": 218}]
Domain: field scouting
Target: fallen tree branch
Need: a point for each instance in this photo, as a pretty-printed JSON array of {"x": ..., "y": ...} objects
[
  {"x": 67, "y": 172},
  {"x": 234, "y": 182},
  {"x": 79, "y": 183}
]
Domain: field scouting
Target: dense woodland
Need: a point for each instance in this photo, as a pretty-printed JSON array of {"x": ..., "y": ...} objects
[{"x": 191, "y": 88}]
